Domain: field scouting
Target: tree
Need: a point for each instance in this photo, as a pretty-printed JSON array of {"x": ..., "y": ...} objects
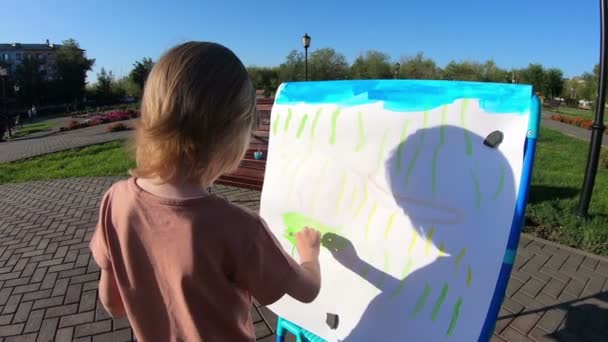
[
  {"x": 554, "y": 82},
  {"x": 30, "y": 81},
  {"x": 104, "y": 86},
  {"x": 327, "y": 64},
  {"x": 534, "y": 74},
  {"x": 264, "y": 78},
  {"x": 372, "y": 65},
  {"x": 492, "y": 73},
  {"x": 293, "y": 67},
  {"x": 72, "y": 67},
  {"x": 419, "y": 68},
  {"x": 140, "y": 72},
  {"x": 463, "y": 71}
]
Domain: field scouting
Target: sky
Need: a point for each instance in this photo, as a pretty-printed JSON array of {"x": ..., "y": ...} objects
[{"x": 514, "y": 33}]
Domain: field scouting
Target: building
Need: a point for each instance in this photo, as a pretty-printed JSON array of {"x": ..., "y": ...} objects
[{"x": 13, "y": 54}]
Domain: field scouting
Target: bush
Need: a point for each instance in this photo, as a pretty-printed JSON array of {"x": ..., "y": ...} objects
[{"x": 118, "y": 127}]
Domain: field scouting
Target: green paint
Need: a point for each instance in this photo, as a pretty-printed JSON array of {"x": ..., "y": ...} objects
[
  {"x": 315, "y": 121},
  {"x": 455, "y": 315},
  {"x": 406, "y": 272},
  {"x": 361, "y": 142},
  {"x": 410, "y": 167},
  {"x": 382, "y": 150},
  {"x": 389, "y": 225},
  {"x": 341, "y": 193},
  {"x": 370, "y": 218},
  {"x": 477, "y": 189},
  {"x": 429, "y": 239},
  {"x": 439, "y": 302},
  {"x": 469, "y": 275},
  {"x": 384, "y": 271},
  {"x": 442, "y": 248},
  {"x": 467, "y": 137},
  {"x": 363, "y": 200},
  {"x": 501, "y": 182},
  {"x": 294, "y": 222},
  {"x": 353, "y": 199},
  {"x": 437, "y": 149},
  {"x": 302, "y": 125},
  {"x": 289, "y": 115},
  {"x": 293, "y": 249},
  {"x": 275, "y": 124},
  {"x": 421, "y": 300},
  {"x": 401, "y": 144},
  {"x": 461, "y": 255},
  {"x": 425, "y": 120},
  {"x": 334, "y": 126},
  {"x": 412, "y": 244},
  {"x": 318, "y": 189}
]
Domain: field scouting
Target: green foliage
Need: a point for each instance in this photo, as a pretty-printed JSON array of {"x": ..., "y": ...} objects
[
  {"x": 372, "y": 65},
  {"x": 463, "y": 71},
  {"x": 419, "y": 68},
  {"x": 72, "y": 67},
  {"x": 534, "y": 74},
  {"x": 264, "y": 78},
  {"x": 140, "y": 72},
  {"x": 293, "y": 67},
  {"x": 31, "y": 84},
  {"x": 327, "y": 64},
  {"x": 554, "y": 82}
]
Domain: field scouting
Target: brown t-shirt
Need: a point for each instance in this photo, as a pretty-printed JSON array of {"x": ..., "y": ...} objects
[{"x": 187, "y": 269}]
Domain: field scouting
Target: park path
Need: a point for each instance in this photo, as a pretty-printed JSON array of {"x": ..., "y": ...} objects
[
  {"x": 48, "y": 280},
  {"x": 570, "y": 130}
]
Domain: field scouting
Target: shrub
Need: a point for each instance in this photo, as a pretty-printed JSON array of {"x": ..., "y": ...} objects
[
  {"x": 117, "y": 127},
  {"x": 604, "y": 159}
]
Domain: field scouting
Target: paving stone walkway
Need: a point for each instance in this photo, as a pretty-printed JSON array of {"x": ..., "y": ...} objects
[{"x": 48, "y": 280}]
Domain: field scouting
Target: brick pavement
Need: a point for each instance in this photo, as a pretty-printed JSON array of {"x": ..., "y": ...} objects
[
  {"x": 48, "y": 279},
  {"x": 28, "y": 147}
]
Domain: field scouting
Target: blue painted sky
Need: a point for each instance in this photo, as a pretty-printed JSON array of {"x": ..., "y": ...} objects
[{"x": 514, "y": 33}]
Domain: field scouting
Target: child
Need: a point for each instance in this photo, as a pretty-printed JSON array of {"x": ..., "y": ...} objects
[{"x": 181, "y": 264}]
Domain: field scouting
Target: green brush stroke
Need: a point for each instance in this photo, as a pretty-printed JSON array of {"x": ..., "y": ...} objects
[
  {"x": 369, "y": 219},
  {"x": 294, "y": 222},
  {"x": 361, "y": 142},
  {"x": 406, "y": 272},
  {"x": 421, "y": 300},
  {"x": 289, "y": 114},
  {"x": 341, "y": 193},
  {"x": 401, "y": 144},
  {"x": 353, "y": 198},
  {"x": 358, "y": 211},
  {"x": 439, "y": 302},
  {"x": 382, "y": 150},
  {"x": 461, "y": 255},
  {"x": 467, "y": 137},
  {"x": 455, "y": 315},
  {"x": 477, "y": 189},
  {"x": 437, "y": 148},
  {"x": 389, "y": 225},
  {"x": 315, "y": 121},
  {"x": 302, "y": 125},
  {"x": 318, "y": 189},
  {"x": 415, "y": 157},
  {"x": 385, "y": 270},
  {"x": 429, "y": 238},
  {"x": 334, "y": 126},
  {"x": 501, "y": 182},
  {"x": 275, "y": 124},
  {"x": 469, "y": 276}
]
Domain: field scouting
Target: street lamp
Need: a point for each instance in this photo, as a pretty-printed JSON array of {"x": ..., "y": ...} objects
[
  {"x": 3, "y": 74},
  {"x": 306, "y": 43},
  {"x": 397, "y": 67}
]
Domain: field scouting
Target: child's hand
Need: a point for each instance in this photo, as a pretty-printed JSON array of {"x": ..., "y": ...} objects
[{"x": 308, "y": 242}]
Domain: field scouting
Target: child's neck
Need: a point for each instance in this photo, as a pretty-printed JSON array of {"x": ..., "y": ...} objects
[{"x": 177, "y": 189}]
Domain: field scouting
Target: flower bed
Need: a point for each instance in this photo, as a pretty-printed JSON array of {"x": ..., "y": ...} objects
[
  {"x": 573, "y": 120},
  {"x": 101, "y": 119}
]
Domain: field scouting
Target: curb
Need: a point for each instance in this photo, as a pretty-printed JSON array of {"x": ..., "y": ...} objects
[{"x": 567, "y": 248}]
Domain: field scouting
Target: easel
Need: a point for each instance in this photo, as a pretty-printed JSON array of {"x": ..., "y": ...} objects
[{"x": 487, "y": 330}]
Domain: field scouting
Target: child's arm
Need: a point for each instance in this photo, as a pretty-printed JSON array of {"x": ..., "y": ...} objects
[
  {"x": 109, "y": 295},
  {"x": 267, "y": 272},
  {"x": 305, "y": 286}
]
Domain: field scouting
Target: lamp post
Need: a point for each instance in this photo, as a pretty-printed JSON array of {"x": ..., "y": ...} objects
[
  {"x": 597, "y": 129},
  {"x": 397, "y": 67},
  {"x": 306, "y": 43}
]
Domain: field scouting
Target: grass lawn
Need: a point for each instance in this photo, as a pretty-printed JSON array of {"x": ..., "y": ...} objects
[
  {"x": 556, "y": 183},
  {"x": 558, "y": 175},
  {"x": 32, "y": 128},
  {"x": 109, "y": 159},
  {"x": 583, "y": 113}
]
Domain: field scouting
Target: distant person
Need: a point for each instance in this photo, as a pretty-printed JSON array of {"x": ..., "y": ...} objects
[
  {"x": 29, "y": 115},
  {"x": 34, "y": 112},
  {"x": 182, "y": 264}
]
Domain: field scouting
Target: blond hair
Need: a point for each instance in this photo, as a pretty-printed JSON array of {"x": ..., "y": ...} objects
[{"x": 197, "y": 112}]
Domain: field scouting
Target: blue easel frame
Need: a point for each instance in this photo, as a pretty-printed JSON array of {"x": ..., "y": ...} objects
[{"x": 303, "y": 335}]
